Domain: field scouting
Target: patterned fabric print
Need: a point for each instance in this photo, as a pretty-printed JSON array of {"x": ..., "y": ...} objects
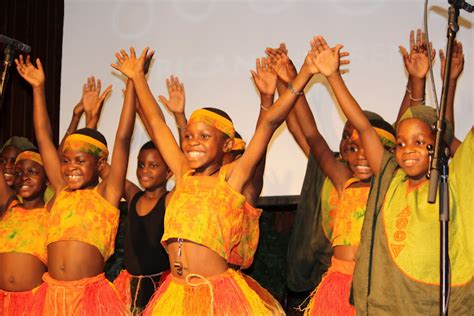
[
  {"x": 24, "y": 231},
  {"x": 349, "y": 215},
  {"x": 410, "y": 221},
  {"x": 242, "y": 254},
  {"x": 84, "y": 215},
  {"x": 329, "y": 201},
  {"x": 207, "y": 211}
]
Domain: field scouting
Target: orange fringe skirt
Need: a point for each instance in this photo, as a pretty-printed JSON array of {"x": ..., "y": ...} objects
[
  {"x": 225, "y": 294},
  {"x": 17, "y": 303},
  {"x": 331, "y": 297},
  {"x": 123, "y": 286},
  {"x": 88, "y": 296}
]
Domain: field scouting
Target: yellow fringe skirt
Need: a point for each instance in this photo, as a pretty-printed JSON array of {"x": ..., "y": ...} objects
[
  {"x": 331, "y": 297},
  {"x": 225, "y": 294}
]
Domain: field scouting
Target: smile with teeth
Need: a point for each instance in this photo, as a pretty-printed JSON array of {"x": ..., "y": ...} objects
[
  {"x": 410, "y": 162},
  {"x": 362, "y": 168},
  {"x": 195, "y": 154},
  {"x": 8, "y": 176},
  {"x": 73, "y": 177}
]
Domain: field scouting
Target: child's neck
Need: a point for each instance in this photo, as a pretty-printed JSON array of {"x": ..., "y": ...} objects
[
  {"x": 34, "y": 203},
  {"x": 156, "y": 193},
  {"x": 210, "y": 170}
]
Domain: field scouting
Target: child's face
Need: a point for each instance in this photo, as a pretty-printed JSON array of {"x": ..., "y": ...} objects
[
  {"x": 152, "y": 171},
  {"x": 413, "y": 137},
  {"x": 80, "y": 170},
  {"x": 7, "y": 163},
  {"x": 204, "y": 145},
  {"x": 354, "y": 155},
  {"x": 30, "y": 179}
]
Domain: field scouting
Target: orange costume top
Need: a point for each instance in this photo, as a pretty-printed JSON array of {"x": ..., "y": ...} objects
[
  {"x": 24, "y": 231},
  {"x": 84, "y": 215},
  {"x": 348, "y": 214},
  {"x": 242, "y": 254},
  {"x": 207, "y": 211}
]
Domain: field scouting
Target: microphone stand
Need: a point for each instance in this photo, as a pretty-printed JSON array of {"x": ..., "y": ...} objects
[
  {"x": 7, "y": 61},
  {"x": 439, "y": 169}
]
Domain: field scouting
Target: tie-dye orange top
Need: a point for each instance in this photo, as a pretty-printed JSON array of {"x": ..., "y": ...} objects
[
  {"x": 84, "y": 215},
  {"x": 348, "y": 215},
  {"x": 242, "y": 254},
  {"x": 24, "y": 231},
  {"x": 207, "y": 211}
]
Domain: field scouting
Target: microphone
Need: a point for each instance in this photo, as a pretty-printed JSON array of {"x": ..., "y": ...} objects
[
  {"x": 15, "y": 44},
  {"x": 461, "y": 4}
]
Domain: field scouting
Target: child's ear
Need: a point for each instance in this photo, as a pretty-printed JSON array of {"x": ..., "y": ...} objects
[
  {"x": 169, "y": 174},
  {"x": 229, "y": 143},
  {"x": 101, "y": 164}
]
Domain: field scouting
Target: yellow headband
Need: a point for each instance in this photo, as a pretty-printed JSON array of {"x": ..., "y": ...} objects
[
  {"x": 239, "y": 144},
  {"x": 388, "y": 140},
  {"x": 215, "y": 120},
  {"x": 29, "y": 155},
  {"x": 86, "y": 144}
]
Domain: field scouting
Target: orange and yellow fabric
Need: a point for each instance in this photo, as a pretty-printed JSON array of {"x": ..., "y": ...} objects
[
  {"x": 218, "y": 295},
  {"x": 207, "y": 211},
  {"x": 25, "y": 231},
  {"x": 348, "y": 214},
  {"x": 17, "y": 303},
  {"x": 243, "y": 253},
  {"x": 84, "y": 215},
  {"x": 88, "y": 296}
]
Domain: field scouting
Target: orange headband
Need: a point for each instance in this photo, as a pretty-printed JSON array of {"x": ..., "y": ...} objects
[
  {"x": 215, "y": 120},
  {"x": 239, "y": 144},
  {"x": 86, "y": 144},
  {"x": 29, "y": 155},
  {"x": 388, "y": 140}
]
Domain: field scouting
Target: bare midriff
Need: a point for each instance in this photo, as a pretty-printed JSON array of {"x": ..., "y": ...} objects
[
  {"x": 194, "y": 259},
  {"x": 346, "y": 253},
  {"x": 73, "y": 260},
  {"x": 20, "y": 271}
]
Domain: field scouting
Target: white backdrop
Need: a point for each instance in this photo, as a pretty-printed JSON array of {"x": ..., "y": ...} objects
[{"x": 212, "y": 45}]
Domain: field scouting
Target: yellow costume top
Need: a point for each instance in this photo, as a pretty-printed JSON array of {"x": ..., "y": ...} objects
[
  {"x": 24, "y": 231},
  {"x": 412, "y": 224},
  {"x": 242, "y": 254},
  {"x": 348, "y": 214},
  {"x": 207, "y": 211},
  {"x": 84, "y": 215}
]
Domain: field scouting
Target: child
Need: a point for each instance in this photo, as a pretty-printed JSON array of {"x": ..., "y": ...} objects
[
  {"x": 84, "y": 214},
  {"x": 23, "y": 255},
  {"x": 347, "y": 199},
  {"x": 10, "y": 150},
  {"x": 397, "y": 270},
  {"x": 203, "y": 219},
  {"x": 145, "y": 259}
]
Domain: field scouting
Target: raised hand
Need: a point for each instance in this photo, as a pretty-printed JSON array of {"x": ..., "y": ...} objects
[
  {"x": 176, "y": 101},
  {"x": 132, "y": 66},
  {"x": 78, "y": 109},
  {"x": 91, "y": 97},
  {"x": 281, "y": 63},
  {"x": 325, "y": 60},
  {"x": 33, "y": 75},
  {"x": 264, "y": 77},
  {"x": 417, "y": 61},
  {"x": 457, "y": 63}
]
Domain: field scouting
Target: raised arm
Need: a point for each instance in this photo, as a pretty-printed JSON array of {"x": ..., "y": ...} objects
[
  {"x": 336, "y": 171},
  {"x": 133, "y": 68},
  {"x": 245, "y": 166},
  {"x": 457, "y": 66},
  {"x": 327, "y": 61},
  {"x": 76, "y": 118},
  {"x": 287, "y": 72},
  {"x": 417, "y": 65},
  {"x": 112, "y": 187},
  {"x": 93, "y": 100},
  {"x": 49, "y": 154},
  {"x": 175, "y": 104}
]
